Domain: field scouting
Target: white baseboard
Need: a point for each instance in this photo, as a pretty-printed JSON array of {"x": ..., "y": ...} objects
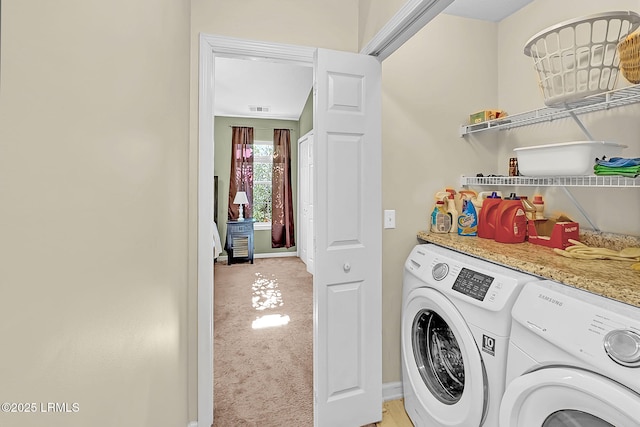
[
  {"x": 224, "y": 258},
  {"x": 193, "y": 424},
  {"x": 275, "y": 255},
  {"x": 392, "y": 391}
]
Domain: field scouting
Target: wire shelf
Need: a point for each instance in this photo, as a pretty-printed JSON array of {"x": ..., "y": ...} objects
[
  {"x": 615, "y": 98},
  {"x": 548, "y": 181}
]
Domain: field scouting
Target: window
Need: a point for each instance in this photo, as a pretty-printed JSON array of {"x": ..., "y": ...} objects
[{"x": 262, "y": 170}]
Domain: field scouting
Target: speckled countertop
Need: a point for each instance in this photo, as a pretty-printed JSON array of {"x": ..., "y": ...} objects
[{"x": 612, "y": 279}]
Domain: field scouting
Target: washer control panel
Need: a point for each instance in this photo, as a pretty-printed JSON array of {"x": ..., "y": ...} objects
[
  {"x": 472, "y": 283},
  {"x": 481, "y": 287}
]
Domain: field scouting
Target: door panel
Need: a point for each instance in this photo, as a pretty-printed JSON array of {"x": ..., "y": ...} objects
[
  {"x": 303, "y": 197},
  {"x": 348, "y": 240},
  {"x": 311, "y": 237}
]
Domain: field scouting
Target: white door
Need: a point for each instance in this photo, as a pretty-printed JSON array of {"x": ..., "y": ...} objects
[
  {"x": 303, "y": 196},
  {"x": 305, "y": 191},
  {"x": 348, "y": 224},
  {"x": 311, "y": 240}
]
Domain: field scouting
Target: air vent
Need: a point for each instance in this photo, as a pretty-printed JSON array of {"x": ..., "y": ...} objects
[{"x": 259, "y": 109}]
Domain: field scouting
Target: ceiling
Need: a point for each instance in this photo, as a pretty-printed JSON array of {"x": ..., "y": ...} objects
[
  {"x": 259, "y": 88},
  {"x": 271, "y": 90},
  {"x": 485, "y": 10}
]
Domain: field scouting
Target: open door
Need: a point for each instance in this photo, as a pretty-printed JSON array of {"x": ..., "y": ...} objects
[{"x": 347, "y": 283}]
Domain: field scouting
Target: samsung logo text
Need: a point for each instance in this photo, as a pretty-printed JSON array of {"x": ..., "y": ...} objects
[{"x": 550, "y": 300}]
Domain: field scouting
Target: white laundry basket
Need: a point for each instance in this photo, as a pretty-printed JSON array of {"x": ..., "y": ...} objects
[{"x": 578, "y": 58}]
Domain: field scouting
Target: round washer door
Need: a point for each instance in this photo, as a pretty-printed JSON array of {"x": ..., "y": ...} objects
[
  {"x": 444, "y": 364},
  {"x": 563, "y": 397}
]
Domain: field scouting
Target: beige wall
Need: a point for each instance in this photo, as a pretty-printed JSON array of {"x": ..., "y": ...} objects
[
  {"x": 332, "y": 24},
  {"x": 94, "y": 146},
  {"x": 428, "y": 89}
]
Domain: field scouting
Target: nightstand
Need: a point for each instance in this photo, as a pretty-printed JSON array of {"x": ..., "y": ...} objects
[{"x": 239, "y": 245}]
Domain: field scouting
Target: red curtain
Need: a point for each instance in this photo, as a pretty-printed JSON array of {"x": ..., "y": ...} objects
[
  {"x": 241, "y": 177},
  {"x": 282, "y": 231}
]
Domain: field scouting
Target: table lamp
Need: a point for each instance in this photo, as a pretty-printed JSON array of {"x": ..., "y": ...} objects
[{"x": 241, "y": 199}]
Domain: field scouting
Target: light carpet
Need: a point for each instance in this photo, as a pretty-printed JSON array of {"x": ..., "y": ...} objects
[{"x": 263, "y": 377}]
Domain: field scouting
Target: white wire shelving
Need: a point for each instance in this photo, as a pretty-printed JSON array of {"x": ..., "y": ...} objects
[
  {"x": 615, "y": 98},
  {"x": 562, "y": 182},
  {"x": 552, "y": 181}
]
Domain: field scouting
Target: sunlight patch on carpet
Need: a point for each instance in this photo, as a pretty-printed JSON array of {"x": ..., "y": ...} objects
[
  {"x": 270, "y": 321},
  {"x": 266, "y": 293}
]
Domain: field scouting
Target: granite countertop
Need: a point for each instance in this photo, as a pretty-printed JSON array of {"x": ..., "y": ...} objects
[{"x": 612, "y": 279}]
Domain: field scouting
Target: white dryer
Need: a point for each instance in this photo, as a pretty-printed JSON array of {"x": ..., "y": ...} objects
[
  {"x": 456, "y": 317},
  {"x": 574, "y": 360}
]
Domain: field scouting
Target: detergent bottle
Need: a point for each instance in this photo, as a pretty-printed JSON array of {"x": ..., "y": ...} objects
[
  {"x": 511, "y": 221},
  {"x": 538, "y": 203},
  {"x": 479, "y": 201},
  {"x": 453, "y": 211},
  {"x": 487, "y": 216},
  {"x": 440, "y": 218},
  {"x": 468, "y": 217}
]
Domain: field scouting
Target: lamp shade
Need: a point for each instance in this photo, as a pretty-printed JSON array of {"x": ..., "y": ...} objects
[{"x": 241, "y": 198}]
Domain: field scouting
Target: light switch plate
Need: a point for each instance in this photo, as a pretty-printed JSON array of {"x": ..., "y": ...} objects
[{"x": 389, "y": 218}]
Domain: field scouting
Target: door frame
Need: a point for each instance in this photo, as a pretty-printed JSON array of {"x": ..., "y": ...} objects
[{"x": 210, "y": 47}]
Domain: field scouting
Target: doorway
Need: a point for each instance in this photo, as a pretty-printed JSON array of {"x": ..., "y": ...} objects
[
  {"x": 263, "y": 310},
  {"x": 210, "y": 48}
]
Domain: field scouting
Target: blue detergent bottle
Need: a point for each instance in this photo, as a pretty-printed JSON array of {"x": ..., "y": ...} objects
[{"x": 468, "y": 217}]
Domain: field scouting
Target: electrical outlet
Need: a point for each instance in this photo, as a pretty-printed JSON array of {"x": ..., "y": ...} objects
[{"x": 389, "y": 219}]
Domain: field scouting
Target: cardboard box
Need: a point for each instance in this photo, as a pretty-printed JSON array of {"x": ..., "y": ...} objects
[
  {"x": 483, "y": 116},
  {"x": 553, "y": 232}
]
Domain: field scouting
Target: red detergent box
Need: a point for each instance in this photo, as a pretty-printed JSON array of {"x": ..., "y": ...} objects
[{"x": 553, "y": 232}]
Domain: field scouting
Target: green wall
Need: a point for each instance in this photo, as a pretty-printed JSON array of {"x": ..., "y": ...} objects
[
  {"x": 306, "y": 117},
  {"x": 263, "y": 130}
]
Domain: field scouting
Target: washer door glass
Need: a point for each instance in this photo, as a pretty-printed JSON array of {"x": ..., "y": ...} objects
[
  {"x": 572, "y": 418},
  {"x": 438, "y": 357}
]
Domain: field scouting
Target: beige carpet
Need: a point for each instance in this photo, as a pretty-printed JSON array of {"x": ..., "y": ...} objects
[{"x": 263, "y": 377}]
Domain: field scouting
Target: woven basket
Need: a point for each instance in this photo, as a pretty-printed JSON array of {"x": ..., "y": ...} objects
[{"x": 629, "y": 51}]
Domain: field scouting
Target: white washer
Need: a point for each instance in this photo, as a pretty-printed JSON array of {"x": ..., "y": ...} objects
[
  {"x": 456, "y": 317},
  {"x": 574, "y": 360}
]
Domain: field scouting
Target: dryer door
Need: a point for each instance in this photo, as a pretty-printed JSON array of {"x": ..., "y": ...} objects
[
  {"x": 567, "y": 397},
  {"x": 443, "y": 361}
]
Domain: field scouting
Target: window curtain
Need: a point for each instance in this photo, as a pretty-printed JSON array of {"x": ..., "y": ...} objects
[
  {"x": 282, "y": 232},
  {"x": 241, "y": 177}
]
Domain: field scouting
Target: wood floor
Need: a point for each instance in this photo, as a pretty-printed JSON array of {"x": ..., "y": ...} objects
[{"x": 393, "y": 415}]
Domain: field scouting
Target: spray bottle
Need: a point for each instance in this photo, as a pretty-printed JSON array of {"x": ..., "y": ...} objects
[{"x": 451, "y": 208}]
